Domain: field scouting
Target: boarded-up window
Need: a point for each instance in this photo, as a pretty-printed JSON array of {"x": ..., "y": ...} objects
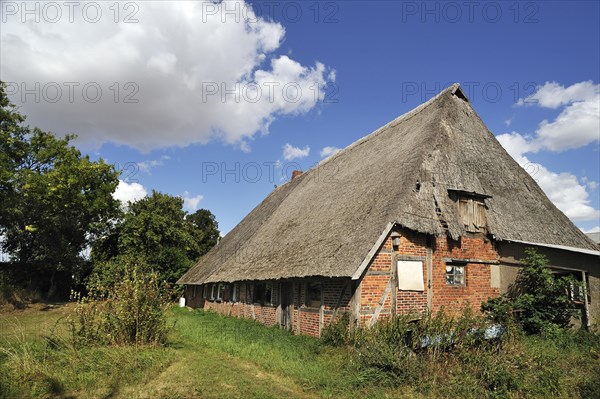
[
  {"x": 472, "y": 214},
  {"x": 410, "y": 276}
]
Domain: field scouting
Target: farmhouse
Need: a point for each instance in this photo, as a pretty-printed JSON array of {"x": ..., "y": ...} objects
[{"x": 427, "y": 211}]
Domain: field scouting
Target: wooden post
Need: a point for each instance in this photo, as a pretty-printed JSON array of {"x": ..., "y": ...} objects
[
  {"x": 585, "y": 300},
  {"x": 429, "y": 262},
  {"x": 394, "y": 282}
]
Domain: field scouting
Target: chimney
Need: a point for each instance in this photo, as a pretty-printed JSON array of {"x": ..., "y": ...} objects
[{"x": 296, "y": 173}]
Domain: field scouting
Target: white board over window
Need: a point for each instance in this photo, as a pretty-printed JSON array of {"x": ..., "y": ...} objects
[{"x": 410, "y": 275}]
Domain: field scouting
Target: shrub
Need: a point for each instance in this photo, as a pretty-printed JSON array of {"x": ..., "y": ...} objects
[
  {"x": 131, "y": 312},
  {"x": 337, "y": 333},
  {"x": 538, "y": 300}
]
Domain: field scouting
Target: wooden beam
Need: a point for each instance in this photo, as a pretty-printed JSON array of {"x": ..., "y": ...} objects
[{"x": 381, "y": 302}]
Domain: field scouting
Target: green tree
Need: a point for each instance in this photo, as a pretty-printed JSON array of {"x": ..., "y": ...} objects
[
  {"x": 538, "y": 300},
  {"x": 157, "y": 229},
  {"x": 204, "y": 230},
  {"x": 54, "y": 202}
]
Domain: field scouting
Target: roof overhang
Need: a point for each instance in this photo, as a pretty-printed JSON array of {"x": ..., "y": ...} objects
[
  {"x": 562, "y": 247},
  {"x": 358, "y": 273}
]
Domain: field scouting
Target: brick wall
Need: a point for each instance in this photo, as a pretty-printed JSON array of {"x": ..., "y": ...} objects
[
  {"x": 379, "y": 294},
  {"x": 474, "y": 252},
  {"x": 336, "y": 297}
]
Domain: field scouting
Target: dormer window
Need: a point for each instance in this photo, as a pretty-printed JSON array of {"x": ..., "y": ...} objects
[{"x": 471, "y": 210}]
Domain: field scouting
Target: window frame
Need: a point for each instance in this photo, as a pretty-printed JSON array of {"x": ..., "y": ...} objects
[
  {"x": 453, "y": 274},
  {"x": 205, "y": 291},
  {"x": 308, "y": 301},
  {"x": 235, "y": 294},
  {"x": 213, "y": 291},
  {"x": 268, "y": 294},
  {"x": 220, "y": 291}
]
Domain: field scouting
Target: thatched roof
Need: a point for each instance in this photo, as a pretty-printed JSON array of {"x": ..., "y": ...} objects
[{"x": 326, "y": 221}]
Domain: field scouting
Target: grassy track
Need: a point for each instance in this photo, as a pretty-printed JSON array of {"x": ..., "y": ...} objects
[{"x": 210, "y": 356}]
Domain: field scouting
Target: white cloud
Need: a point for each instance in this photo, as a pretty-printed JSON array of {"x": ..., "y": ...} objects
[
  {"x": 190, "y": 203},
  {"x": 563, "y": 189},
  {"x": 577, "y": 125},
  {"x": 129, "y": 192},
  {"x": 197, "y": 75},
  {"x": 553, "y": 95},
  {"x": 328, "y": 151},
  {"x": 592, "y": 230},
  {"x": 290, "y": 152},
  {"x": 146, "y": 166}
]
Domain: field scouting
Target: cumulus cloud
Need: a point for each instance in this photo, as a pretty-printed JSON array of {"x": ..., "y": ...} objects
[
  {"x": 329, "y": 151},
  {"x": 186, "y": 72},
  {"x": 129, "y": 192},
  {"x": 563, "y": 189},
  {"x": 290, "y": 152},
  {"x": 190, "y": 203},
  {"x": 577, "y": 125},
  {"x": 553, "y": 95}
]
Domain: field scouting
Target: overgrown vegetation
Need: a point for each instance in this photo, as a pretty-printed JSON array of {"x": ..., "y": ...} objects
[
  {"x": 129, "y": 312},
  {"x": 211, "y": 356},
  {"x": 538, "y": 301}
]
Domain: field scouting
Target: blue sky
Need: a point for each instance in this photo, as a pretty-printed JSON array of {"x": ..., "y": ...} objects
[{"x": 358, "y": 64}]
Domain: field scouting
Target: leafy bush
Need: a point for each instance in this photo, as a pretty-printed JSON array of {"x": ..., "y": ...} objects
[
  {"x": 337, "y": 333},
  {"x": 132, "y": 311},
  {"x": 538, "y": 300}
]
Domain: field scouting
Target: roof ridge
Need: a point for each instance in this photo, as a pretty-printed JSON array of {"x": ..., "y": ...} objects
[{"x": 402, "y": 118}]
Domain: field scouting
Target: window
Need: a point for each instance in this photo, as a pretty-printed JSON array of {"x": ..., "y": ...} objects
[
  {"x": 213, "y": 291},
  {"x": 205, "y": 291},
  {"x": 472, "y": 214},
  {"x": 313, "y": 295},
  {"x": 235, "y": 297},
  {"x": 259, "y": 293},
  {"x": 269, "y": 293},
  {"x": 455, "y": 274},
  {"x": 220, "y": 289}
]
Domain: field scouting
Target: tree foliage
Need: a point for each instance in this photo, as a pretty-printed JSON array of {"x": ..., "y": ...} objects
[
  {"x": 539, "y": 299},
  {"x": 159, "y": 230},
  {"x": 54, "y": 201}
]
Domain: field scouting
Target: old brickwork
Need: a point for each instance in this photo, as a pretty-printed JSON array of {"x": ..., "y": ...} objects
[
  {"x": 336, "y": 295},
  {"x": 376, "y": 294},
  {"x": 379, "y": 285}
]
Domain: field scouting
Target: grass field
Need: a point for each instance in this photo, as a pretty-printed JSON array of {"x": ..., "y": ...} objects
[{"x": 210, "y": 356}]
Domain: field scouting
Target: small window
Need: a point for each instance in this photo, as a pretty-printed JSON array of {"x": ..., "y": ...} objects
[
  {"x": 220, "y": 290},
  {"x": 455, "y": 274},
  {"x": 213, "y": 292},
  {"x": 269, "y": 293},
  {"x": 235, "y": 297},
  {"x": 313, "y": 295},
  {"x": 259, "y": 293},
  {"x": 205, "y": 291}
]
